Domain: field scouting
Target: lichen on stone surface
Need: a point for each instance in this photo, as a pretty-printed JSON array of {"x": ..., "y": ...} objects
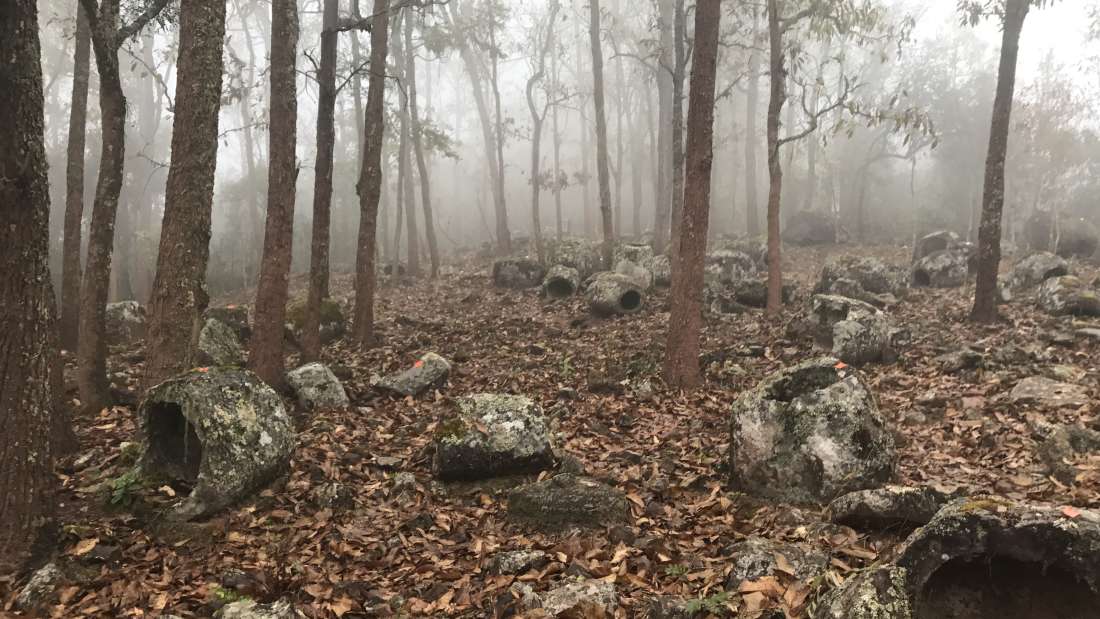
[{"x": 492, "y": 435}]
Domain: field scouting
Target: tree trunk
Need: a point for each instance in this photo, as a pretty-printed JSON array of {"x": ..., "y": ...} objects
[
  {"x": 752, "y": 98},
  {"x": 686, "y": 298},
  {"x": 418, "y": 151},
  {"x": 369, "y": 186},
  {"x": 680, "y": 34},
  {"x": 92, "y": 347},
  {"x": 537, "y": 119},
  {"x": 74, "y": 181},
  {"x": 778, "y": 96},
  {"x": 557, "y": 147},
  {"x": 636, "y": 171},
  {"x": 601, "y": 132},
  {"x": 179, "y": 288},
  {"x": 322, "y": 183},
  {"x": 993, "y": 196},
  {"x": 400, "y": 55},
  {"x": 661, "y": 219},
  {"x": 29, "y": 364},
  {"x": 266, "y": 350}
]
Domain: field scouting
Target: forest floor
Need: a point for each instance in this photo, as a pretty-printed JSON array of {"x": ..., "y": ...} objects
[{"x": 427, "y": 552}]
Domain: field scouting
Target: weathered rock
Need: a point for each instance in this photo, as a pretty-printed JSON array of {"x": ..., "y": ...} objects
[
  {"x": 1089, "y": 333},
  {"x": 638, "y": 253},
  {"x": 947, "y": 268},
  {"x": 1068, "y": 295},
  {"x": 561, "y": 282},
  {"x": 38, "y": 592},
  {"x": 222, "y": 430},
  {"x": 670, "y": 607},
  {"x": 430, "y": 371},
  {"x": 888, "y": 507},
  {"x": 638, "y": 274},
  {"x": 855, "y": 332},
  {"x": 518, "y": 561},
  {"x": 1036, "y": 269},
  {"x": 609, "y": 294},
  {"x": 810, "y": 228},
  {"x": 1066, "y": 443},
  {"x": 983, "y": 557},
  {"x": 250, "y": 609},
  {"x": 959, "y": 360},
  {"x": 755, "y": 558},
  {"x": 492, "y": 435},
  {"x": 567, "y": 500},
  {"x": 235, "y": 316},
  {"x": 731, "y": 265},
  {"x": 316, "y": 387},
  {"x": 517, "y": 273},
  {"x": 590, "y": 598},
  {"x": 868, "y": 279},
  {"x": 661, "y": 268},
  {"x": 580, "y": 254},
  {"x": 809, "y": 434},
  {"x": 933, "y": 242},
  {"x": 125, "y": 323},
  {"x": 333, "y": 323},
  {"x": 218, "y": 345},
  {"x": 1043, "y": 391}
]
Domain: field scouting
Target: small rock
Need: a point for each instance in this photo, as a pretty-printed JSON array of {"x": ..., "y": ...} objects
[
  {"x": 942, "y": 269},
  {"x": 517, "y": 273},
  {"x": 959, "y": 360},
  {"x": 404, "y": 483},
  {"x": 235, "y": 316},
  {"x": 317, "y": 388},
  {"x": 887, "y": 507},
  {"x": 250, "y": 609},
  {"x": 567, "y": 500},
  {"x": 591, "y": 598},
  {"x": 492, "y": 435},
  {"x": 1036, "y": 269},
  {"x": 218, "y": 345},
  {"x": 38, "y": 592},
  {"x": 430, "y": 371},
  {"x": 125, "y": 323},
  {"x": 1089, "y": 333},
  {"x": 1065, "y": 444},
  {"x": 755, "y": 558},
  {"x": 518, "y": 562},
  {"x": 1043, "y": 391},
  {"x": 1068, "y": 295},
  {"x": 661, "y": 268}
]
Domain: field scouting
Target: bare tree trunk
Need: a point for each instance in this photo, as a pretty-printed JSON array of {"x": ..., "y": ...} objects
[
  {"x": 322, "y": 183},
  {"x": 402, "y": 59},
  {"x": 665, "y": 62},
  {"x": 266, "y": 351},
  {"x": 504, "y": 234},
  {"x": 29, "y": 364},
  {"x": 636, "y": 170},
  {"x": 681, "y": 368},
  {"x": 557, "y": 147},
  {"x": 537, "y": 118},
  {"x": 369, "y": 186},
  {"x": 778, "y": 96},
  {"x": 179, "y": 288},
  {"x": 752, "y": 98},
  {"x": 418, "y": 151},
  {"x": 680, "y": 34},
  {"x": 601, "y": 132},
  {"x": 74, "y": 181},
  {"x": 993, "y": 197}
]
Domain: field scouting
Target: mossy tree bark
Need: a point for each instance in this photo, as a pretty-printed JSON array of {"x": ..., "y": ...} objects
[{"x": 29, "y": 367}]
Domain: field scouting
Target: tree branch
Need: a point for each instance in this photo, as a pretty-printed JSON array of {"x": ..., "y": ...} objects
[{"x": 151, "y": 13}]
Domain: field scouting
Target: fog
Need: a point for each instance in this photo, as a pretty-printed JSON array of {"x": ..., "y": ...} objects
[{"x": 905, "y": 154}]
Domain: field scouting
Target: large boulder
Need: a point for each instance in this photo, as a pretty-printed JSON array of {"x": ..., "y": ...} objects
[
  {"x": 125, "y": 323},
  {"x": 568, "y": 500},
  {"x": 492, "y": 435},
  {"x": 1043, "y": 391},
  {"x": 933, "y": 242},
  {"x": 236, "y": 316},
  {"x": 333, "y": 323},
  {"x": 1068, "y": 295},
  {"x": 810, "y": 228},
  {"x": 855, "y": 332},
  {"x": 1036, "y": 269},
  {"x": 580, "y": 254},
  {"x": 610, "y": 294},
  {"x": 867, "y": 279},
  {"x": 429, "y": 371},
  {"x": 638, "y": 253},
  {"x": 730, "y": 266},
  {"x": 947, "y": 268},
  {"x": 316, "y": 387},
  {"x": 809, "y": 434},
  {"x": 218, "y": 345},
  {"x": 517, "y": 273},
  {"x": 888, "y": 507},
  {"x": 561, "y": 282},
  {"x": 982, "y": 557},
  {"x": 638, "y": 274},
  {"x": 221, "y": 430}
]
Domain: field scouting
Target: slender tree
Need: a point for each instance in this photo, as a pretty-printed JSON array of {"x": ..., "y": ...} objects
[
  {"x": 74, "y": 183},
  {"x": 777, "y": 98},
  {"x": 322, "y": 183},
  {"x": 664, "y": 127},
  {"x": 266, "y": 353},
  {"x": 752, "y": 101},
  {"x": 418, "y": 149},
  {"x": 679, "y": 69},
  {"x": 179, "y": 289},
  {"x": 681, "y": 368},
  {"x": 993, "y": 196},
  {"x": 369, "y": 186},
  {"x": 29, "y": 367},
  {"x": 407, "y": 193},
  {"x": 107, "y": 37},
  {"x": 604, "y": 176},
  {"x": 544, "y": 38}
]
